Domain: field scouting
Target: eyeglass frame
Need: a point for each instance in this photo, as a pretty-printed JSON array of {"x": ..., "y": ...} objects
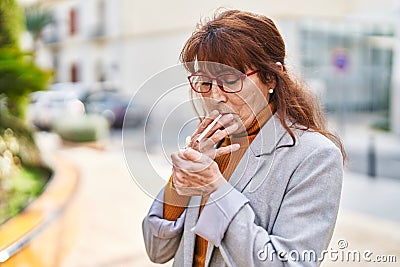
[{"x": 220, "y": 83}]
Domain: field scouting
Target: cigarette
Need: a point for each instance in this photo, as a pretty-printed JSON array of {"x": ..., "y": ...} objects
[{"x": 209, "y": 127}]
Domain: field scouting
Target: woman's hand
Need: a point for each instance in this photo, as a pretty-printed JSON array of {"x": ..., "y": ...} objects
[
  {"x": 227, "y": 125},
  {"x": 195, "y": 173},
  {"x": 194, "y": 170}
]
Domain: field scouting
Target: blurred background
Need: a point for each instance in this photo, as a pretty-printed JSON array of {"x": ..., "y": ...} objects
[{"x": 68, "y": 71}]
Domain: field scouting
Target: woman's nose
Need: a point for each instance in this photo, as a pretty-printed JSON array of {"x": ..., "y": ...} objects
[{"x": 217, "y": 94}]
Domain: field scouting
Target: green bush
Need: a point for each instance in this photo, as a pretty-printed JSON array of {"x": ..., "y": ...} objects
[
  {"x": 17, "y": 137},
  {"x": 23, "y": 186},
  {"x": 21, "y": 176},
  {"x": 19, "y": 77},
  {"x": 82, "y": 129},
  {"x": 382, "y": 124}
]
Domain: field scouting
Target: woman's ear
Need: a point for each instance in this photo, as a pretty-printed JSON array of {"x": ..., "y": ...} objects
[{"x": 271, "y": 81}]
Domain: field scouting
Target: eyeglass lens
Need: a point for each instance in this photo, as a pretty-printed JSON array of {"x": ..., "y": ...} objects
[{"x": 229, "y": 82}]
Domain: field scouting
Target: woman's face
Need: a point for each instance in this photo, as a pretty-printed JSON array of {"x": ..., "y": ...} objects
[{"x": 245, "y": 105}]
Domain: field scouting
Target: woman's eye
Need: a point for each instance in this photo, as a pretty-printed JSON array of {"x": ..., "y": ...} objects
[
  {"x": 206, "y": 83},
  {"x": 230, "y": 79}
]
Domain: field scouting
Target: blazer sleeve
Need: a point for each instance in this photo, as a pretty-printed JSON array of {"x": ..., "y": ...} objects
[
  {"x": 304, "y": 224},
  {"x": 161, "y": 237}
]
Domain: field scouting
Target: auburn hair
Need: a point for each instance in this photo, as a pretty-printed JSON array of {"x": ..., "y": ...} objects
[{"x": 245, "y": 40}]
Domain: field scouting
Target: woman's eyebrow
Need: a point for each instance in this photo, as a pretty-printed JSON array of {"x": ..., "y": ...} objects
[
  {"x": 227, "y": 71},
  {"x": 217, "y": 72}
]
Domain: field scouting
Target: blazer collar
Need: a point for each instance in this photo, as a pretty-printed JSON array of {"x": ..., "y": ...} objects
[{"x": 271, "y": 136}]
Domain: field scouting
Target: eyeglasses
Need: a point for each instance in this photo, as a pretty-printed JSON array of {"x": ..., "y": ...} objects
[{"x": 228, "y": 83}]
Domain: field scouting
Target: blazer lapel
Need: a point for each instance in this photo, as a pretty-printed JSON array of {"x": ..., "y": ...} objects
[
  {"x": 192, "y": 215},
  {"x": 265, "y": 144},
  {"x": 247, "y": 167},
  {"x": 270, "y": 137}
]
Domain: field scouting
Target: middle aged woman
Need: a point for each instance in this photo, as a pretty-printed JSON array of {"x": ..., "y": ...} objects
[{"x": 266, "y": 180}]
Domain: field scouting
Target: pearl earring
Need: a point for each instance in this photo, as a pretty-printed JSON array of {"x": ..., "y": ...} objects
[{"x": 271, "y": 91}]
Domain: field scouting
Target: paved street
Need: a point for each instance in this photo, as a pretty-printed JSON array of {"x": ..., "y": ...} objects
[{"x": 113, "y": 207}]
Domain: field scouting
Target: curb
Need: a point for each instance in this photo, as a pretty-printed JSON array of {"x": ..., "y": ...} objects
[{"x": 37, "y": 234}]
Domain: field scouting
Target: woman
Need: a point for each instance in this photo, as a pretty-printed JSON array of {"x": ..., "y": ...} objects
[{"x": 262, "y": 188}]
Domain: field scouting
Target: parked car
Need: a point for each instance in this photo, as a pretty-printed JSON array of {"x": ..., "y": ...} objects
[
  {"x": 46, "y": 107},
  {"x": 115, "y": 108}
]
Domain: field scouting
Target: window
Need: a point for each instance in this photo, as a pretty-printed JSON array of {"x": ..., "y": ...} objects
[
  {"x": 73, "y": 21},
  {"x": 74, "y": 73}
]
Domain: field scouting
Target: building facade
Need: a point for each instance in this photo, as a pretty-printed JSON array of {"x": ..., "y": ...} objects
[{"x": 347, "y": 58}]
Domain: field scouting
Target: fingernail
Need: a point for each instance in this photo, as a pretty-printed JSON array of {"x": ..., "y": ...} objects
[
  {"x": 235, "y": 146},
  {"x": 230, "y": 116},
  {"x": 187, "y": 150},
  {"x": 188, "y": 140}
]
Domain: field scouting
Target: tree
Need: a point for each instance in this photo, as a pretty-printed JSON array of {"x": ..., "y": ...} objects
[
  {"x": 11, "y": 23},
  {"x": 19, "y": 76},
  {"x": 36, "y": 19}
]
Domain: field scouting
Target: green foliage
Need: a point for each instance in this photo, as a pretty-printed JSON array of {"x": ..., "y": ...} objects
[
  {"x": 36, "y": 18},
  {"x": 11, "y": 23},
  {"x": 21, "y": 177},
  {"x": 17, "y": 139},
  {"x": 23, "y": 186},
  {"x": 20, "y": 180},
  {"x": 19, "y": 77},
  {"x": 82, "y": 129},
  {"x": 382, "y": 124}
]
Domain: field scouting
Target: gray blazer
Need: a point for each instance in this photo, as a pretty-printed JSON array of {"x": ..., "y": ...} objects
[{"x": 278, "y": 209}]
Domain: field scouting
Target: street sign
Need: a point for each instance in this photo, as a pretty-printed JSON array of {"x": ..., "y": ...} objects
[{"x": 341, "y": 59}]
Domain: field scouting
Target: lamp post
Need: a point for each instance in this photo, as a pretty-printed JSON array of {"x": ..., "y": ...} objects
[{"x": 371, "y": 157}]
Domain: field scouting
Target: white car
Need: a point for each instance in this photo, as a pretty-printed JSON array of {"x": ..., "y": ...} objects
[{"x": 46, "y": 107}]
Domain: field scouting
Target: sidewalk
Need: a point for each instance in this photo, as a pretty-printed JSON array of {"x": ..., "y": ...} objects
[
  {"x": 109, "y": 226},
  {"x": 379, "y": 196},
  {"x": 363, "y": 233},
  {"x": 369, "y": 219},
  {"x": 358, "y": 136},
  {"x": 356, "y": 131},
  {"x": 113, "y": 207}
]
